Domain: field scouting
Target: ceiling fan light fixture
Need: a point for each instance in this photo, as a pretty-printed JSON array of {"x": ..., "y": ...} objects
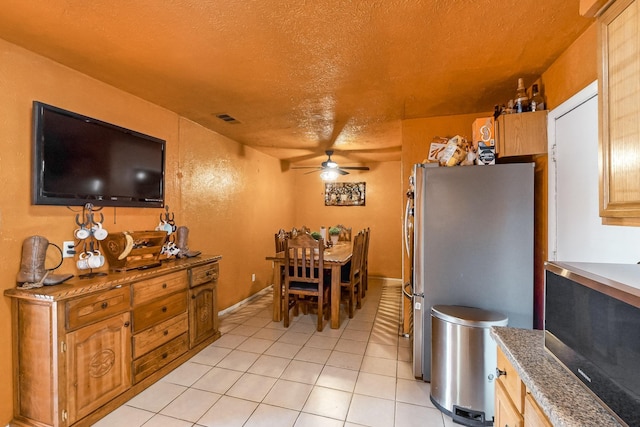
[
  {"x": 331, "y": 164},
  {"x": 329, "y": 175}
]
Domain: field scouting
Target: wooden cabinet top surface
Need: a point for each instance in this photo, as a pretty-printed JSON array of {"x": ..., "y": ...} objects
[{"x": 76, "y": 286}]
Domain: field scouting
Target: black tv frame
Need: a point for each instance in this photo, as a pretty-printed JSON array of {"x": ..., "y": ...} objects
[{"x": 37, "y": 178}]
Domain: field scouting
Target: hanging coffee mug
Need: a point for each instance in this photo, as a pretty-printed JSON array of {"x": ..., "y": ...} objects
[
  {"x": 96, "y": 260},
  {"x": 81, "y": 233},
  {"x": 83, "y": 262},
  {"x": 98, "y": 232}
]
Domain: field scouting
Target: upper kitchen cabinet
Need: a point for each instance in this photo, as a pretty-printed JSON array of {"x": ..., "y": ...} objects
[
  {"x": 521, "y": 134},
  {"x": 619, "y": 98}
]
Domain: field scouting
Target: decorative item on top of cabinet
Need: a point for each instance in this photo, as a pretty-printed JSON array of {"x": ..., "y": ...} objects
[
  {"x": 521, "y": 134},
  {"x": 619, "y": 112}
]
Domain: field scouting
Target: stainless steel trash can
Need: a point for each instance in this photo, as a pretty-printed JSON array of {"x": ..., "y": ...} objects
[{"x": 463, "y": 362}]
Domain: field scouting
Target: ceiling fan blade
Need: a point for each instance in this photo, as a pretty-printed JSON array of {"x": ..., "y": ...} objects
[
  {"x": 307, "y": 173},
  {"x": 341, "y": 172},
  {"x": 356, "y": 168},
  {"x": 306, "y": 167}
]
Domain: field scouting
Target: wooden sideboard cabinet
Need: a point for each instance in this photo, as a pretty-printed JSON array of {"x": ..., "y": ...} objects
[
  {"x": 514, "y": 405},
  {"x": 619, "y": 112},
  {"x": 521, "y": 134},
  {"x": 83, "y": 348}
]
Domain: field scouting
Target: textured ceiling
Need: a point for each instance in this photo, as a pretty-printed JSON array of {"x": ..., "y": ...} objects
[{"x": 304, "y": 76}]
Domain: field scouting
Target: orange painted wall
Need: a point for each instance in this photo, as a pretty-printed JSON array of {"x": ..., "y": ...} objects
[
  {"x": 575, "y": 69},
  {"x": 382, "y": 213},
  {"x": 233, "y": 198}
]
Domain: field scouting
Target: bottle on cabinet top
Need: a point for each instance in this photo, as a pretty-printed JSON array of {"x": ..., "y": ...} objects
[
  {"x": 521, "y": 101},
  {"x": 537, "y": 101}
]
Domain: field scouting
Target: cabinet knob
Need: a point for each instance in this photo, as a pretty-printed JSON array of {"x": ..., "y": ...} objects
[
  {"x": 164, "y": 309},
  {"x": 193, "y": 297},
  {"x": 126, "y": 324},
  {"x": 166, "y": 333},
  {"x": 105, "y": 305},
  {"x": 499, "y": 373},
  {"x": 164, "y": 286},
  {"x": 165, "y": 355}
]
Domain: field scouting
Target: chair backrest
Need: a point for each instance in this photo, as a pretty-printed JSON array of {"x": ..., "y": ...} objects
[
  {"x": 302, "y": 230},
  {"x": 280, "y": 238},
  {"x": 356, "y": 258},
  {"x": 304, "y": 259},
  {"x": 365, "y": 251},
  {"x": 345, "y": 233}
]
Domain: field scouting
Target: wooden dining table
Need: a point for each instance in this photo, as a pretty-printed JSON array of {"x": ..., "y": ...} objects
[{"x": 335, "y": 257}]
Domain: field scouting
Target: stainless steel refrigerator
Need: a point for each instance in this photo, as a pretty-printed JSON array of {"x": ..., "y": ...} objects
[{"x": 472, "y": 245}]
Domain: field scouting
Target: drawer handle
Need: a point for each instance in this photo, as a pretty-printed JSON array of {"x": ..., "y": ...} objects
[
  {"x": 126, "y": 324},
  {"x": 105, "y": 305},
  {"x": 165, "y": 355},
  {"x": 164, "y": 309},
  {"x": 500, "y": 372},
  {"x": 166, "y": 333},
  {"x": 164, "y": 286}
]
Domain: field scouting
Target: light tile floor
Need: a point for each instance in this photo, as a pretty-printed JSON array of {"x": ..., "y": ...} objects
[{"x": 262, "y": 374}]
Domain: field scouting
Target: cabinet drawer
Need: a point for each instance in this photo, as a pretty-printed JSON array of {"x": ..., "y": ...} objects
[
  {"x": 151, "y": 362},
  {"x": 511, "y": 381},
  {"x": 158, "y": 287},
  {"x": 204, "y": 274},
  {"x": 159, "y": 310},
  {"x": 89, "y": 309},
  {"x": 157, "y": 335}
]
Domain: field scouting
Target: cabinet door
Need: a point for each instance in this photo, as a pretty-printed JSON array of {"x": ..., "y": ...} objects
[
  {"x": 522, "y": 134},
  {"x": 533, "y": 415},
  {"x": 98, "y": 363},
  {"x": 203, "y": 316},
  {"x": 619, "y": 92},
  {"x": 506, "y": 414}
]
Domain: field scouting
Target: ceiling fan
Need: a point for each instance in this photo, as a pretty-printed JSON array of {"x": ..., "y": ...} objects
[{"x": 330, "y": 169}]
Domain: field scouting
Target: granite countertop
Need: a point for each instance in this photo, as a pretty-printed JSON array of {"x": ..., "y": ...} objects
[{"x": 560, "y": 395}]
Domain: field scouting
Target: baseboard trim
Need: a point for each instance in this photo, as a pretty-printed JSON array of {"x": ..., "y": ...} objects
[{"x": 260, "y": 293}]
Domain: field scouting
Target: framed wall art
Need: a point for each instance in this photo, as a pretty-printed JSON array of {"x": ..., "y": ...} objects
[{"x": 344, "y": 193}]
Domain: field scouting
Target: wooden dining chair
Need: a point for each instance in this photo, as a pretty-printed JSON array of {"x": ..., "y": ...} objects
[
  {"x": 280, "y": 237},
  {"x": 345, "y": 233},
  {"x": 351, "y": 276},
  {"x": 304, "y": 277},
  {"x": 365, "y": 262}
]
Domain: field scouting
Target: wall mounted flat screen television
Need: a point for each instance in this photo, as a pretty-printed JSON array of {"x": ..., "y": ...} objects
[{"x": 79, "y": 160}]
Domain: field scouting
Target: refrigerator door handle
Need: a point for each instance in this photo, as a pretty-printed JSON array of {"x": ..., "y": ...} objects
[
  {"x": 410, "y": 294},
  {"x": 407, "y": 227}
]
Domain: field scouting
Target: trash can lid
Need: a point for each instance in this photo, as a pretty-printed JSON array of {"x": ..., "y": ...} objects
[{"x": 469, "y": 316}]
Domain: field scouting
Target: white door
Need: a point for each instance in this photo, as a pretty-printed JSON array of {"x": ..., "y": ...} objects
[{"x": 576, "y": 232}]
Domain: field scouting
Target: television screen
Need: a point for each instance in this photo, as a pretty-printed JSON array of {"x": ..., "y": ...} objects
[{"x": 79, "y": 160}]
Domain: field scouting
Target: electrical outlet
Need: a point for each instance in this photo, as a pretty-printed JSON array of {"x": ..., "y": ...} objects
[
  {"x": 253, "y": 277},
  {"x": 68, "y": 249}
]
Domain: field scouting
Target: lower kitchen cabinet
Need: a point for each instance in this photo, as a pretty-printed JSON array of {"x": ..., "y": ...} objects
[
  {"x": 514, "y": 405},
  {"x": 83, "y": 348},
  {"x": 533, "y": 415},
  {"x": 506, "y": 414}
]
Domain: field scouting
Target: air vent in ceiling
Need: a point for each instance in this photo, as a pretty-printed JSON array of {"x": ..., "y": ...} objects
[{"x": 227, "y": 118}]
